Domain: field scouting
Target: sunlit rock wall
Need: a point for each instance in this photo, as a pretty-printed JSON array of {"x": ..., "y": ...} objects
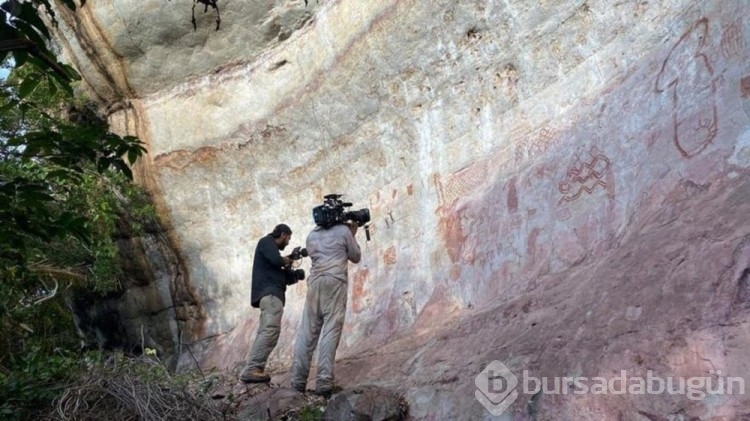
[{"x": 495, "y": 142}]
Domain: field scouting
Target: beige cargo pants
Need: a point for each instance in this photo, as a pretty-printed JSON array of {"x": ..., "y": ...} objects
[
  {"x": 269, "y": 328},
  {"x": 322, "y": 322}
]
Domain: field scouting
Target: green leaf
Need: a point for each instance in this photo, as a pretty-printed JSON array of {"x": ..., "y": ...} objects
[
  {"x": 13, "y": 103},
  {"x": 123, "y": 167},
  {"x": 30, "y": 14},
  {"x": 64, "y": 85},
  {"x": 28, "y": 86},
  {"x": 51, "y": 86},
  {"x": 62, "y": 174},
  {"x": 31, "y": 151},
  {"x": 121, "y": 150},
  {"x": 20, "y": 57},
  {"x": 102, "y": 164},
  {"x": 75, "y": 225},
  {"x": 34, "y": 199},
  {"x": 63, "y": 80},
  {"x": 71, "y": 72},
  {"x": 133, "y": 155}
]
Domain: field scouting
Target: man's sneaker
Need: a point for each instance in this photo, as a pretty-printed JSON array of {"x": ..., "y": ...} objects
[{"x": 254, "y": 375}]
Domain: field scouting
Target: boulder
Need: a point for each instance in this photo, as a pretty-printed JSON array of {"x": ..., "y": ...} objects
[{"x": 366, "y": 403}]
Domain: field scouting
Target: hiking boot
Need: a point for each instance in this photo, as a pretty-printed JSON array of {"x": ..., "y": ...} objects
[
  {"x": 328, "y": 392},
  {"x": 254, "y": 375}
]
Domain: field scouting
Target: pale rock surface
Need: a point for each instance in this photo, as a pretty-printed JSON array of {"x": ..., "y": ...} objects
[{"x": 561, "y": 186}]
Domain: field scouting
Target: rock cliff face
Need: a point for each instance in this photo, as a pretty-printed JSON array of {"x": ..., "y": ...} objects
[
  {"x": 155, "y": 304},
  {"x": 561, "y": 186}
]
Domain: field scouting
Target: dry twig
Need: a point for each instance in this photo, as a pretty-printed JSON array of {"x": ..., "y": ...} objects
[{"x": 139, "y": 389}]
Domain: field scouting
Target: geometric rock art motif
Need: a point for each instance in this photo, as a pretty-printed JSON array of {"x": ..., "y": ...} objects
[{"x": 584, "y": 176}]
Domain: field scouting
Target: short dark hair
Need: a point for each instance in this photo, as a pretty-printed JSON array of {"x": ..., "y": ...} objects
[{"x": 281, "y": 229}]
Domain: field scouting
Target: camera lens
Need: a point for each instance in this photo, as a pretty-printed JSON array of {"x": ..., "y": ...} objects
[{"x": 362, "y": 216}]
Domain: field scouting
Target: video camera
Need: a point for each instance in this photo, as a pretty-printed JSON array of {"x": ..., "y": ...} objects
[
  {"x": 298, "y": 253},
  {"x": 292, "y": 274},
  {"x": 332, "y": 212}
]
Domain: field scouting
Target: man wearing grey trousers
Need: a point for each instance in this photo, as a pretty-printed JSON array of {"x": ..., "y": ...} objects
[
  {"x": 325, "y": 304},
  {"x": 268, "y": 292}
]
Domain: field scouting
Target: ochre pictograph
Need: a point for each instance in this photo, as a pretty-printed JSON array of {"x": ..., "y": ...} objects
[
  {"x": 461, "y": 183},
  {"x": 389, "y": 257},
  {"x": 537, "y": 144},
  {"x": 745, "y": 93},
  {"x": 584, "y": 176},
  {"x": 732, "y": 40},
  {"x": 745, "y": 87},
  {"x": 562, "y": 214},
  {"x": 688, "y": 77}
]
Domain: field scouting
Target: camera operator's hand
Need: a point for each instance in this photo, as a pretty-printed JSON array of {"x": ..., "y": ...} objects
[
  {"x": 353, "y": 227},
  {"x": 287, "y": 261}
]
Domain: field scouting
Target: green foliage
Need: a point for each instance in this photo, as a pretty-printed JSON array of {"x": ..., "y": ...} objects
[
  {"x": 310, "y": 413},
  {"x": 62, "y": 184},
  {"x": 63, "y": 190},
  {"x": 36, "y": 379},
  {"x": 25, "y": 39},
  {"x": 65, "y": 185}
]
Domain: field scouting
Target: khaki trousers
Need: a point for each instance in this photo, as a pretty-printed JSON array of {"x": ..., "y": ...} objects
[
  {"x": 269, "y": 328},
  {"x": 322, "y": 322}
]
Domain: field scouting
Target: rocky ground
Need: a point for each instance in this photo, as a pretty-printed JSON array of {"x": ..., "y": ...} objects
[{"x": 277, "y": 401}]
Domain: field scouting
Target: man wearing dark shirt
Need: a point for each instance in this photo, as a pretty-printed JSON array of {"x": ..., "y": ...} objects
[{"x": 269, "y": 287}]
